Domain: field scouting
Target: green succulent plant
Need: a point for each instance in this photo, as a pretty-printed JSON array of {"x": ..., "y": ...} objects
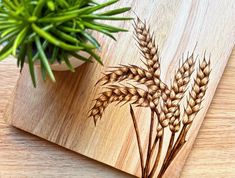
[{"x": 49, "y": 31}]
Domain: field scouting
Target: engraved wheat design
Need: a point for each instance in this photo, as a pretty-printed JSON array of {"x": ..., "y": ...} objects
[{"x": 164, "y": 101}]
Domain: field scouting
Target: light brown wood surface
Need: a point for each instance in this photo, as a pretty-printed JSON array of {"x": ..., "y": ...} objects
[
  {"x": 24, "y": 155},
  {"x": 59, "y": 112}
]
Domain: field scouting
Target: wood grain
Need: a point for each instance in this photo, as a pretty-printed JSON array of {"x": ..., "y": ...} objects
[
  {"x": 8, "y": 77},
  {"x": 23, "y": 155},
  {"x": 59, "y": 112}
]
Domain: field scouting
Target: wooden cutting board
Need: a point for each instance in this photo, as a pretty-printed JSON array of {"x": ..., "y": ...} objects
[{"x": 163, "y": 94}]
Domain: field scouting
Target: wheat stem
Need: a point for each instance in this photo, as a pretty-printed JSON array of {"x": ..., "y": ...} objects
[
  {"x": 170, "y": 146},
  {"x": 169, "y": 156},
  {"x": 154, "y": 147},
  {"x": 155, "y": 166},
  {"x": 148, "y": 159},
  {"x": 175, "y": 150},
  {"x": 137, "y": 133}
]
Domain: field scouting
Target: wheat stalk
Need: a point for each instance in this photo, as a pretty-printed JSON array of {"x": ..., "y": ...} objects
[
  {"x": 193, "y": 107},
  {"x": 169, "y": 113},
  {"x": 163, "y": 101}
]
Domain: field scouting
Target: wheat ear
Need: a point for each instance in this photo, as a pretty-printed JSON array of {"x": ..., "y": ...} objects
[
  {"x": 181, "y": 80},
  {"x": 149, "y": 50},
  {"x": 197, "y": 93},
  {"x": 147, "y": 46},
  {"x": 125, "y": 72},
  {"x": 119, "y": 94}
]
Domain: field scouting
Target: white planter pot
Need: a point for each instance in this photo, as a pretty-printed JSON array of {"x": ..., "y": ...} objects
[
  {"x": 63, "y": 67},
  {"x": 74, "y": 61}
]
